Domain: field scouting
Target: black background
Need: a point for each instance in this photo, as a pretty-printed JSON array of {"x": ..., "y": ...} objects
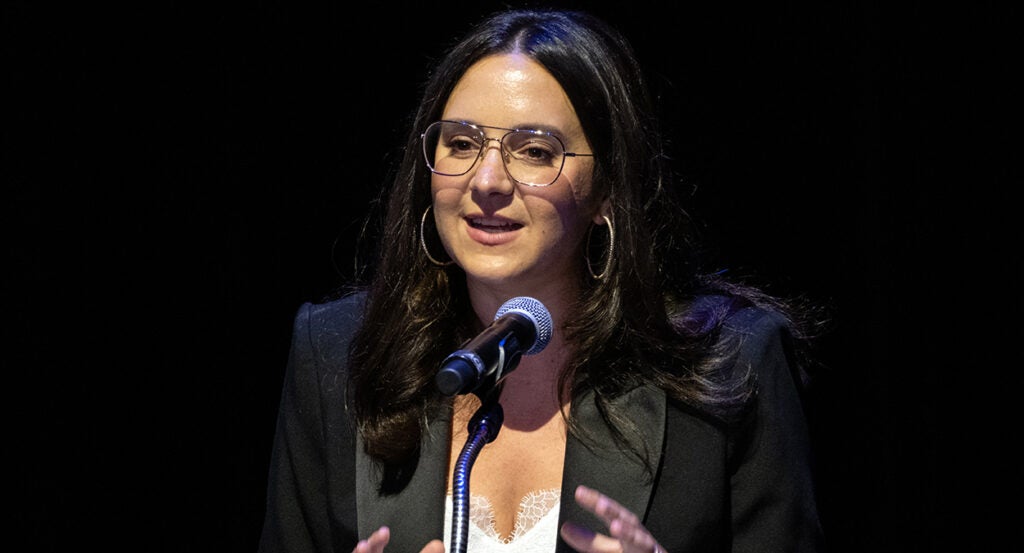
[{"x": 179, "y": 178}]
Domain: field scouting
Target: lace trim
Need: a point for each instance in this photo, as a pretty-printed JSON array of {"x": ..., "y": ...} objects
[{"x": 532, "y": 509}]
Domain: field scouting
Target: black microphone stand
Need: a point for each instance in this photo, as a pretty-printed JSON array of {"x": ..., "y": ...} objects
[{"x": 483, "y": 429}]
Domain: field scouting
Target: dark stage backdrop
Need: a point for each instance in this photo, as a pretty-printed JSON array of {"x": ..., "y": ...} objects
[{"x": 179, "y": 178}]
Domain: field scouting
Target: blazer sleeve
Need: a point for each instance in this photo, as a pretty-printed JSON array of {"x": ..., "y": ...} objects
[
  {"x": 310, "y": 496},
  {"x": 773, "y": 500}
]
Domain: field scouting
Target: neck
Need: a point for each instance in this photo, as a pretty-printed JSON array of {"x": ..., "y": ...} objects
[
  {"x": 529, "y": 395},
  {"x": 558, "y": 298}
]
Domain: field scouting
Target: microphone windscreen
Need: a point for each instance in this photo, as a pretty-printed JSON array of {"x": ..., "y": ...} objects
[{"x": 536, "y": 312}]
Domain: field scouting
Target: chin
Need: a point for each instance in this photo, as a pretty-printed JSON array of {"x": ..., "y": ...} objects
[
  {"x": 492, "y": 276},
  {"x": 491, "y": 271}
]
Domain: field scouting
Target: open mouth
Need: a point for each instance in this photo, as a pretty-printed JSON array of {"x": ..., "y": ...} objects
[{"x": 493, "y": 225}]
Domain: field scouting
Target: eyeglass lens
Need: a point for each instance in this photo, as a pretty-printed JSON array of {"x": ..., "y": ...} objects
[{"x": 531, "y": 157}]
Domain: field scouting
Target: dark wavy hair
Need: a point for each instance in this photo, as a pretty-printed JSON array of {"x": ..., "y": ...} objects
[{"x": 639, "y": 324}]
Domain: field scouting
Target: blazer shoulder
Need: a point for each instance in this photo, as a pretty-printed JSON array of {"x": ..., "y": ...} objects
[
  {"x": 327, "y": 327},
  {"x": 340, "y": 312},
  {"x": 739, "y": 322},
  {"x": 332, "y": 315},
  {"x": 757, "y": 323},
  {"x": 755, "y": 342}
]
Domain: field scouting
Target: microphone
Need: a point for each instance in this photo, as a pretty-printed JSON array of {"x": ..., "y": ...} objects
[{"x": 522, "y": 326}]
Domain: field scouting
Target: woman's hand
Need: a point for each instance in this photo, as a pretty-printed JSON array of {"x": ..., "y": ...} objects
[
  {"x": 627, "y": 534},
  {"x": 375, "y": 543},
  {"x": 377, "y": 540},
  {"x": 435, "y": 546}
]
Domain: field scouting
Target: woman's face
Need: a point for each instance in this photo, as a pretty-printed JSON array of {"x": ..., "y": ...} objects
[{"x": 502, "y": 233}]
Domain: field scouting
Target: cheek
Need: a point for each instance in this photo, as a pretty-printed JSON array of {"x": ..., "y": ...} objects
[
  {"x": 577, "y": 179},
  {"x": 578, "y": 210},
  {"x": 441, "y": 183},
  {"x": 562, "y": 219},
  {"x": 446, "y": 195},
  {"x": 445, "y": 191}
]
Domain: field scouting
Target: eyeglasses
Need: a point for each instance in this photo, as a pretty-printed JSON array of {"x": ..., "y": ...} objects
[{"x": 531, "y": 157}]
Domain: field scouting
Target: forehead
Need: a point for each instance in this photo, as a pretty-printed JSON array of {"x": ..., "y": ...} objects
[{"x": 512, "y": 91}]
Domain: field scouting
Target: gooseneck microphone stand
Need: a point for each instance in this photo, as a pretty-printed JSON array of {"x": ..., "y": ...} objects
[{"x": 483, "y": 429}]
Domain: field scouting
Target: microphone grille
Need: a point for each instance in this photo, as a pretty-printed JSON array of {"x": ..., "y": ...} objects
[{"x": 537, "y": 313}]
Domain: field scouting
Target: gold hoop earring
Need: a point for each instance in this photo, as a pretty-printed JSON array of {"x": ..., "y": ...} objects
[
  {"x": 423, "y": 241},
  {"x": 611, "y": 250}
]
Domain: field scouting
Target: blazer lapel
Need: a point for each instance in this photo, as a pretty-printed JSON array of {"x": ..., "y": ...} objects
[
  {"x": 604, "y": 465},
  {"x": 600, "y": 463},
  {"x": 416, "y": 514}
]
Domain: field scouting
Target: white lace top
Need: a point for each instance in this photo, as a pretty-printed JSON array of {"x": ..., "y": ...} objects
[{"x": 535, "y": 531}]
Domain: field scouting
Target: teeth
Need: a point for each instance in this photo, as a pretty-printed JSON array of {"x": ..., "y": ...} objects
[{"x": 493, "y": 224}]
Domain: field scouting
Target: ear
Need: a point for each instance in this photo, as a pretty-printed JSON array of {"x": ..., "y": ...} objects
[{"x": 604, "y": 211}]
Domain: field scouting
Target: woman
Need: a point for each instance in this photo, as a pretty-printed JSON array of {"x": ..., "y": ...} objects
[{"x": 663, "y": 415}]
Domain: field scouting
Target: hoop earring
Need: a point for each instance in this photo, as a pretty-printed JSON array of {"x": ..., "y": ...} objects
[
  {"x": 423, "y": 241},
  {"x": 611, "y": 250}
]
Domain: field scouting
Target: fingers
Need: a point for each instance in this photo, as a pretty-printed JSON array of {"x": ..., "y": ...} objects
[
  {"x": 375, "y": 543},
  {"x": 628, "y": 535},
  {"x": 606, "y": 508},
  {"x": 585, "y": 541},
  {"x": 435, "y": 546},
  {"x": 380, "y": 538}
]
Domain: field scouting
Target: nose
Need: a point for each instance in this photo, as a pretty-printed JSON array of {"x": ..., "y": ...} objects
[{"x": 490, "y": 176}]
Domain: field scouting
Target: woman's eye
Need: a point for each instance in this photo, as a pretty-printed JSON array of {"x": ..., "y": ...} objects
[
  {"x": 462, "y": 144},
  {"x": 537, "y": 154},
  {"x": 533, "y": 148}
]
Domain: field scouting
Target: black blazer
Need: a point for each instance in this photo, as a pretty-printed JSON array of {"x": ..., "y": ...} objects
[{"x": 747, "y": 491}]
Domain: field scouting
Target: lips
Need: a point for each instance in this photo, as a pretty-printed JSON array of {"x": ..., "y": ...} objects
[{"x": 493, "y": 224}]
